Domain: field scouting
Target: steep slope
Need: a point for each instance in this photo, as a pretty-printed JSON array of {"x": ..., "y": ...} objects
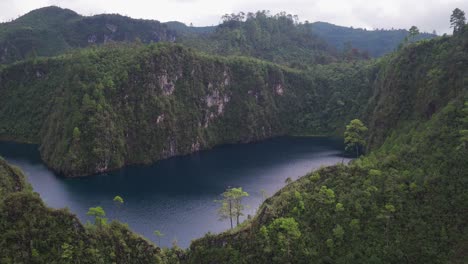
[
  {"x": 52, "y": 30},
  {"x": 404, "y": 202},
  {"x": 34, "y": 233},
  {"x": 100, "y": 109},
  {"x": 376, "y": 42}
]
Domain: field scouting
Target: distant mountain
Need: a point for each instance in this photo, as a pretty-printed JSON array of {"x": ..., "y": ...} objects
[
  {"x": 52, "y": 30},
  {"x": 277, "y": 38},
  {"x": 376, "y": 42},
  {"x": 181, "y": 28}
]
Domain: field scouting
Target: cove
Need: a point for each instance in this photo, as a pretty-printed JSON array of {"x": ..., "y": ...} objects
[{"x": 176, "y": 196}]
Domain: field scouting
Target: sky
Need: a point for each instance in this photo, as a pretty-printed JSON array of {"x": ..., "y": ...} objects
[{"x": 427, "y": 15}]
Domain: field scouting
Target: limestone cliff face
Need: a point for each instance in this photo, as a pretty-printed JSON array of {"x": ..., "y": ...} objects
[{"x": 103, "y": 108}]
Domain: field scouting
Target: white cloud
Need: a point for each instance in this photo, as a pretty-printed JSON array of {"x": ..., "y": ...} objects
[{"x": 426, "y": 14}]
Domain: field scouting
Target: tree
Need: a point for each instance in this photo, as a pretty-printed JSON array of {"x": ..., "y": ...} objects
[
  {"x": 284, "y": 232},
  {"x": 159, "y": 235},
  {"x": 231, "y": 204},
  {"x": 98, "y": 214},
  {"x": 118, "y": 200},
  {"x": 457, "y": 20},
  {"x": 413, "y": 32},
  {"x": 76, "y": 134},
  {"x": 354, "y": 136}
]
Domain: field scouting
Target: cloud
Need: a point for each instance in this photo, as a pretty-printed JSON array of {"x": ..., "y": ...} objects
[{"x": 426, "y": 14}]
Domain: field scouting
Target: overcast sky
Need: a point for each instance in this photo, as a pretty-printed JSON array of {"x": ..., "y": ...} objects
[{"x": 428, "y": 15}]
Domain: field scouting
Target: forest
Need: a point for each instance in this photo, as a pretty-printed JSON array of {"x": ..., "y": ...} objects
[{"x": 102, "y": 107}]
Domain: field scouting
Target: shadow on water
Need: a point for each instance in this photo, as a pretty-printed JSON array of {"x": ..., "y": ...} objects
[{"x": 176, "y": 195}]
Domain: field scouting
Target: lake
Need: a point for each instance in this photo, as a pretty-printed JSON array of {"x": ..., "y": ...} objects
[{"x": 176, "y": 196}]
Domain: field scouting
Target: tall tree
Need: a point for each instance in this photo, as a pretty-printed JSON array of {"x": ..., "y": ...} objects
[
  {"x": 354, "y": 136},
  {"x": 118, "y": 200},
  {"x": 231, "y": 204},
  {"x": 98, "y": 213},
  {"x": 159, "y": 235},
  {"x": 457, "y": 20},
  {"x": 413, "y": 32}
]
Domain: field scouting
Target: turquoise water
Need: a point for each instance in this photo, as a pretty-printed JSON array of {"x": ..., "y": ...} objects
[{"x": 176, "y": 196}]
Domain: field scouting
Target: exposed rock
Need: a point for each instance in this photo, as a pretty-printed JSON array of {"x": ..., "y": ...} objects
[
  {"x": 111, "y": 27},
  {"x": 107, "y": 38},
  {"x": 253, "y": 93},
  {"x": 102, "y": 166},
  {"x": 227, "y": 80},
  {"x": 92, "y": 39},
  {"x": 167, "y": 84},
  {"x": 195, "y": 146},
  {"x": 160, "y": 118},
  {"x": 39, "y": 74},
  {"x": 279, "y": 90}
]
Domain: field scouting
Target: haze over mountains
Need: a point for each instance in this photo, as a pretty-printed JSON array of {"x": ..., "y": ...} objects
[{"x": 52, "y": 30}]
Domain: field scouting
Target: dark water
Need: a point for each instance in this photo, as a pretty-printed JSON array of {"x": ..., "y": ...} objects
[{"x": 177, "y": 195}]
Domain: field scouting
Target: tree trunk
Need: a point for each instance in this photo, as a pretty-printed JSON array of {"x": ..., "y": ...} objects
[
  {"x": 357, "y": 151},
  {"x": 230, "y": 212}
]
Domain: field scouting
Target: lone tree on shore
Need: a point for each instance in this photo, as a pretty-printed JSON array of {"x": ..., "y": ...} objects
[
  {"x": 231, "y": 204},
  {"x": 159, "y": 235},
  {"x": 354, "y": 136},
  {"x": 99, "y": 216}
]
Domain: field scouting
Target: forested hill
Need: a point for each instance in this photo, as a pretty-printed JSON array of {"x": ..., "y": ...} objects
[
  {"x": 404, "y": 202},
  {"x": 102, "y": 108},
  {"x": 52, "y": 30},
  {"x": 376, "y": 42},
  {"x": 277, "y": 38}
]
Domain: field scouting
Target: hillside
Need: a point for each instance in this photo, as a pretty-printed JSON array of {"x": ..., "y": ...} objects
[
  {"x": 401, "y": 203},
  {"x": 100, "y": 109},
  {"x": 277, "y": 38},
  {"x": 52, "y": 30},
  {"x": 376, "y": 42},
  {"x": 34, "y": 233}
]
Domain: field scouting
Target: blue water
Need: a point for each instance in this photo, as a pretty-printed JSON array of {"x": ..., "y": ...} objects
[{"x": 176, "y": 196}]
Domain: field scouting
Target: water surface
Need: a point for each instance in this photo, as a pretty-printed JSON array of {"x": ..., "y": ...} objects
[{"x": 176, "y": 196}]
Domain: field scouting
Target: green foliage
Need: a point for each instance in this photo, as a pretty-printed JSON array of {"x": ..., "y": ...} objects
[
  {"x": 119, "y": 200},
  {"x": 278, "y": 38},
  {"x": 401, "y": 203},
  {"x": 354, "y": 136},
  {"x": 386, "y": 211},
  {"x": 231, "y": 204},
  {"x": 457, "y": 20},
  {"x": 98, "y": 214},
  {"x": 138, "y": 104},
  {"x": 52, "y": 30}
]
